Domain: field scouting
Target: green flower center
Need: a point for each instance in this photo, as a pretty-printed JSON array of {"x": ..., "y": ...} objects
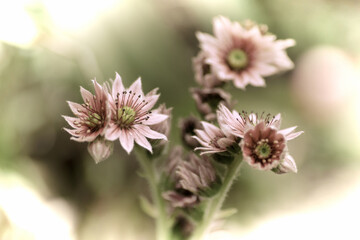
[
  {"x": 263, "y": 150},
  {"x": 237, "y": 59},
  {"x": 126, "y": 116},
  {"x": 93, "y": 120}
]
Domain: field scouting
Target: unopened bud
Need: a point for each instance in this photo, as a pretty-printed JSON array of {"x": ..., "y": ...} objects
[
  {"x": 187, "y": 126},
  {"x": 208, "y": 99},
  {"x": 100, "y": 149}
]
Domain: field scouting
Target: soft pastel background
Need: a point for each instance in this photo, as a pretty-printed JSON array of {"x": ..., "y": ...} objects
[{"x": 50, "y": 188}]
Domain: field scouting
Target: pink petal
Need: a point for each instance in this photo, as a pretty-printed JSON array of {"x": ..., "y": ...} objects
[
  {"x": 264, "y": 69},
  {"x": 136, "y": 87},
  {"x": 289, "y": 164},
  {"x": 98, "y": 89},
  {"x": 206, "y": 41},
  {"x": 210, "y": 129},
  {"x": 203, "y": 135},
  {"x": 201, "y": 141},
  {"x": 147, "y": 132},
  {"x": 222, "y": 25},
  {"x": 71, "y": 120},
  {"x": 277, "y": 121},
  {"x": 293, "y": 135},
  {"x": 86, "y": 95},
  {"x": 117, "y": 86},
  {"x": 126, "y": 140},
  {"x": 285, "y": 43},
  {"x": 239, "y": 82},
  {"x": 152, "y": 92},
  {"x": 256, "y": 80},
  {"x": 112, "y": 132},
  {"x": 286, "y": 132},
  {"x": 155, "y": 118},
  {"x": 141, "y": 140},
  {"x": 151, "y": 101},
  {"x": 75, "y": 107}
]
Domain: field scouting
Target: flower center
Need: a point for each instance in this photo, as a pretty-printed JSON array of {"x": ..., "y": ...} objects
[
  {"x": 125, "y": 116},
  {"x": 237, "y": 59},
  {"x": 93, "y": 120},
  {"x": 263, "y": 150}
]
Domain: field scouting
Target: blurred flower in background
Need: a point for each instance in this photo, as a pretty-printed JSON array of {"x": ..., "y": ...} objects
[{"x": 48, "y": 48}]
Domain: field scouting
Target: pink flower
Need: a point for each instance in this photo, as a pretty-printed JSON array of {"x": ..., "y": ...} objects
[
  {"x": 264, "y": 145},
  {"x": 244, "y": 54},
  {"x": 131, "y": 115},
  {"x": 91, "y": 117},
  {"x": 234, "y": 123},
  {"x": 213, "y": 139}
]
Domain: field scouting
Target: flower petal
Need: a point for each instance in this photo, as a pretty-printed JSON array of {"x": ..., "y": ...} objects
[
  {"x": 86, "y": 96},
  {"x": 147, "y": 132},
  {"x": 287, "y": 132},
  {"x": 141, "y": 140},
  {"x": 155, "y": 118},
  {"x": 112, "y": 132},
  {"x": 126, "y": 140},
  {"x": 136, "y": 87},
  {"x": 151, "y": 101},
  {"x": 76, "y": 108},
  {"x": 117, "y": 86}
]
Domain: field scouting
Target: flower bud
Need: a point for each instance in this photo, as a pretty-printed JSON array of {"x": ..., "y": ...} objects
[
  {"x": 208, "y": 99},
  {"x": 187, "y": 126},
  {"x": 100, "y": 149},
  {"x": 203, "y": 74},
  {"x": 198, "y": 176}
]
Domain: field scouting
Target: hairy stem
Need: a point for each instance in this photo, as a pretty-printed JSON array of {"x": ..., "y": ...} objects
[
  {"x": 215, "y": 204},
  {"x": 162, "y": 221}
]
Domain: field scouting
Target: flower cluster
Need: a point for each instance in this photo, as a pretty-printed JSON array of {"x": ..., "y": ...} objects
[
  {"x": 195, "y": 180},
  {"x": 117, "y": 113},
  {"x": 242, "y": 53}
]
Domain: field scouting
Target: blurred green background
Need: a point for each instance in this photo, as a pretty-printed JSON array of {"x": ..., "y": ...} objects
[{"x": 50, "y": 188}]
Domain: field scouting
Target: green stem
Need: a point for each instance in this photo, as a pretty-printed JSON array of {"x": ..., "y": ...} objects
[
  {"x": 215, "y": 204},
  {"x": 162, "y": 222}
]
